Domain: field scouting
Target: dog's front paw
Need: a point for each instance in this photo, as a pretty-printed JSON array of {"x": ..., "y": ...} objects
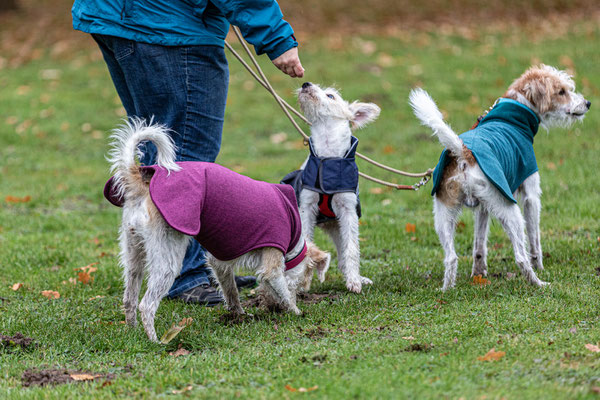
[
  {"x": 296, "y": 310},
  {"x": 354, "y": 285},
  {"x": 536, "y": 262},
  {"x": 365, "y": 281}
]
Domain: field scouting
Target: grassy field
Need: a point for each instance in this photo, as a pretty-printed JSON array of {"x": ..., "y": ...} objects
[{"x": 402, "y": 337}]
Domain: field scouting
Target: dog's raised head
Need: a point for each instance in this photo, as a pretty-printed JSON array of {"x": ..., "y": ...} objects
[
  {"x": 327, "y": 107},
  {"x": 551, "y": 94}
]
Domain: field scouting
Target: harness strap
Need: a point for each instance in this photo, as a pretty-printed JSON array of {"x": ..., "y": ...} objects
[{"x": 325, "y": 205}]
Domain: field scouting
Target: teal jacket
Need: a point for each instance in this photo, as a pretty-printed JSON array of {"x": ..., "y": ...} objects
[
  {"x": 187, "y": 22},
  {"x": 502, "y": 144}
]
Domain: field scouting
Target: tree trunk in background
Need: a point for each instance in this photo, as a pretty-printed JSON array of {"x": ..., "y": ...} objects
[{"x": 7, "y": 5}]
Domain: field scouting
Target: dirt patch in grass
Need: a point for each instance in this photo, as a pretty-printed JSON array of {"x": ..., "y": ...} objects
[
  {"x": 18, "y": 340},
  {"x": 33, "y": 377},
  {"x": 259, "y": 301},
  {"x": 419, "y": 347}
]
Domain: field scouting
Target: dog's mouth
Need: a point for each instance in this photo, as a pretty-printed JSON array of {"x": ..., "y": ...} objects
[{"x": 576, "y": 114}]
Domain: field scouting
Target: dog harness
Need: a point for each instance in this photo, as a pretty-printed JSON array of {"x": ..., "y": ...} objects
[
  {"x": 502, "y": 144},
  {"x": 228, "y": 213},
  {"x": 327, "y": 176}
]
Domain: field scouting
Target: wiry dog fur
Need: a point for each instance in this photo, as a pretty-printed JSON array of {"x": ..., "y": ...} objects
[
  {"x": 332, "y": 121},
  {"x": 149, "y": 244},
  {"x": 550, "y": 93}
]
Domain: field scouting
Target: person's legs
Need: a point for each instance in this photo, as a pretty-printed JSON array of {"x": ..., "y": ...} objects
[{"x": 184, "y": 88}]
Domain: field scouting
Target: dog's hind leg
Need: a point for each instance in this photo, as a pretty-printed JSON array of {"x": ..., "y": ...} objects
[
  {"x": 165, "y": 249},
  {"x": 480, "y": 242},
  {"x": 224, "y": 273},
  {"x": 445, "y": 220},
  {"x": 133, "y": 259},
  {"x": 530, "y": 193},
  {"x": 511, "y": 219},
  {"x": 273, "y": 279},
  {"x": 344, "y": 207}
]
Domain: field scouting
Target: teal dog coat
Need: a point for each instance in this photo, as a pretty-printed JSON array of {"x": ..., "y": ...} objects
[{"x": 502, "y": 144}]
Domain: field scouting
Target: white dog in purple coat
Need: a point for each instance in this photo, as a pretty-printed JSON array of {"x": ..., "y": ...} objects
[{"x": 241, "y": 223}]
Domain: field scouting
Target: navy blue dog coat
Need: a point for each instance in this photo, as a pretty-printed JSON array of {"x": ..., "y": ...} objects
[{"x": 327, "y": 176}]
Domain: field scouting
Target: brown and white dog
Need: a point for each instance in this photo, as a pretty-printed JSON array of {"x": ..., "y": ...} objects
[
  {"x": 151, "y": 242},
  {"x": 470, "y": 172}
]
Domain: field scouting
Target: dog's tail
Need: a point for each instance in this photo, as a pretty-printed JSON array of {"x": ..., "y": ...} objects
[
  {"x": 125, "y": 147},
  {"x": 427, "y": 111}
]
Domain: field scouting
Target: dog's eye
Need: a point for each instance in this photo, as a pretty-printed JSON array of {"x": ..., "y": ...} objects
[
  {"x": 562, "y": 92},
  {"x": 331, "y": 96}
]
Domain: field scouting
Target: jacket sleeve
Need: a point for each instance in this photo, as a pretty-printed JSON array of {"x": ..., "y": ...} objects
[{"x": 261, "y": 23}]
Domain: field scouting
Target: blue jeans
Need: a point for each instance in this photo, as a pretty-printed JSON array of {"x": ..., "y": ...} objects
[{"x": 184, "y": 88}]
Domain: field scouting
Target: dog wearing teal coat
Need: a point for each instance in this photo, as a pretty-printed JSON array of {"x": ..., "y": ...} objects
[{"x": 488, "y": 167}]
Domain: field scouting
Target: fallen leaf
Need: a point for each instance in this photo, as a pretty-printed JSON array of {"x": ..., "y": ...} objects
[
  {"x": 301, "y": 389},
  {"x": 480, "y": 281},
  {"x": 376, "y": 190},
  {"x": 593, "y": 348},
  {"x": 13, "y": 199},
  {"x": 174, "y": 330},
  {"x": 278, "y": 138},
  {"x": 408, "y": 338},
  {"x": 83, "y": 377},
  {"x": 492, "y": 355},
  {"x": 88, "y": 268},
  {"x": 16, "y": 286},
  {"x": 84, "y": 277},
  {"x": 179, "y": 352},
  {"x": 410, "y": 227},
  {"x": 388, "y": 149},
  {"x": 185, "y": 389},
  {"x": 51, "y": 294},
  {"x": 96, "y": 297}
]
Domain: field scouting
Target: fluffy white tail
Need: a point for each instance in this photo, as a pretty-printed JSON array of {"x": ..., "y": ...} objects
[
  {"x": 427, "y": 111},
  {"x": 124, "y": 149}
]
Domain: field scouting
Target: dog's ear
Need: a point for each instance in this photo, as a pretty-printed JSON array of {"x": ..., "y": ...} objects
[
  {"x": 363, "y": 113},
  {"x": 320, "y": 260},
  {"x": 539, "y": 93}
]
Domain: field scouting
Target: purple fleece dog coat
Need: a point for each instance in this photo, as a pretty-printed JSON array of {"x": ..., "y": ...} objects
[{"x": 228, "y": 213}]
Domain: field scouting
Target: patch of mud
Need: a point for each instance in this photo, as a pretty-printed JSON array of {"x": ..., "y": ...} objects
[
  {"x": 260, "y": 301},
  {"x": 314, "y": 333},
  {"x": 18, "y": 340},
  {"x": 234, "y": 319},
  {"x": 33, "y": 377},
  {"x": 419, "y": 347}
]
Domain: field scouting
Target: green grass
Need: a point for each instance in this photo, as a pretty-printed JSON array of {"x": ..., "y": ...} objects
[{"x": 353, "y": 347}]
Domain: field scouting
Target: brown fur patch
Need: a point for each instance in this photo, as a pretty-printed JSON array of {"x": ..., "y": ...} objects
[
  {"x": 272, "y": 259},
  {"x": 449, "y": 191},
  {"x": 153, "y": 212},
  {"x": 468, "y": 156}
]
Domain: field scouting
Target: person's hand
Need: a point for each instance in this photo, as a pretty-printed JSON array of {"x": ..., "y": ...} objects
[{"x": 289, "y": 63}]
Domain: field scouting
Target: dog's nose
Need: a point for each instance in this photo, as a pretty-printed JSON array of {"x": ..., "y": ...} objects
[
  {"x": 588, "y": 103},
  {"x": 306, "y": 84}
]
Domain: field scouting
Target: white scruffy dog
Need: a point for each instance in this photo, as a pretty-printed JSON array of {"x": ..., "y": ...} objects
[
  {"x": 332, "y": 121},
  {"x": 150, "y": 244},
  {"x": 545, "y": 93}
]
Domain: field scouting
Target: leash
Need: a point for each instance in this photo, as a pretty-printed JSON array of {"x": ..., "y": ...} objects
[{"x": 264, "y": 82}]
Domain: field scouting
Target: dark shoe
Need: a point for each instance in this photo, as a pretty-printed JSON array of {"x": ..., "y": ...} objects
[
  {"x": 245, "y": 281},
  {"x": 203, "y": 294}
]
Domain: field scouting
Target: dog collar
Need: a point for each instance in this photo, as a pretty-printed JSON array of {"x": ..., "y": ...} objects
[{"x": 297, "y": 259}]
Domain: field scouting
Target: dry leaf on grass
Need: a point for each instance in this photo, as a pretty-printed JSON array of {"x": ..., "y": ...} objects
[
  {"x": 83, "y": 377},
  {"x": 174, "y": 330},
  {"x": 179, "y": 352},
  {"x": 408, "y": 338},
  {"x": 16, "y": 286},
  {"x": 13, "y": 199},
  {"x": 185, "y": 389},
  {"x": 492, "y": 355},
  {"x": 376, "y": 190},
  {"x": 410, "y": 228},
  {"x": 593, "y": 348},
  {"x": 51, "y": 294},
  {"x": 480, "y": 281},
  {"x": 301, "y": 389}
]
